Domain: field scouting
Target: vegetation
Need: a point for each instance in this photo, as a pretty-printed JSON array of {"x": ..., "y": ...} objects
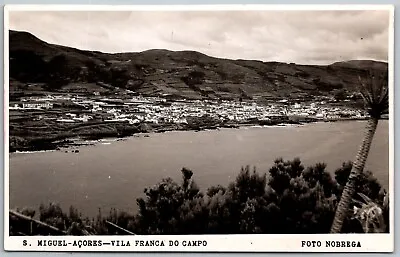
[
  {"x": 33, "y": 61},
  {"x": 372, "y": 216},
  {"x": 375, "y": 93},
  {"x": 290, "y": 198}
]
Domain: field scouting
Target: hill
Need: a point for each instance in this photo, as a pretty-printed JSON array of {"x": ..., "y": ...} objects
[{"x": 39, "y": 66}]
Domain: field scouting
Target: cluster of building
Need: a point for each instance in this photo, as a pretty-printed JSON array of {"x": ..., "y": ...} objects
[
  {"x": 320, "y": 110},
  {"x": 139, "y": 109}
]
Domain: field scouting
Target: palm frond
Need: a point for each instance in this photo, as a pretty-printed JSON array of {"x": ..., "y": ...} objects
[
  {"x": 366, "y": 199},
  {"x": 369, "y": 214},
  {"x": 374, "y": 90}
]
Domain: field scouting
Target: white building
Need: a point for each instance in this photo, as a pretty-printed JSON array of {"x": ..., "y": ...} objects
[{"x": 37, "y": 105}]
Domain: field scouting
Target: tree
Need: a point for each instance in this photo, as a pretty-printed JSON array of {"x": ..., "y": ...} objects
[
  {"x": 160, "y": 211},
  {"x": 282, "y": 172},
  {"x": 304, "y": 197},
  {"x": 366, "y": 184},
  {"x": 374, "y": 90}
]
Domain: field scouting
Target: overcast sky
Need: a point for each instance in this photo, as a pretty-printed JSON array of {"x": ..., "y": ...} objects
[{"x": 306, "y": 37}]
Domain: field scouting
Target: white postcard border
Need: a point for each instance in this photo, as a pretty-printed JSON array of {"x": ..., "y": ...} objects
[{"x": 213, "y": 243}]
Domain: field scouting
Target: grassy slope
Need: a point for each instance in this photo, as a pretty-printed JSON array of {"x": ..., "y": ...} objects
[{"x": 183, "y": 73}]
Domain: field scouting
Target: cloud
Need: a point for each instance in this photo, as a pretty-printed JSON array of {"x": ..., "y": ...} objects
[{"x": 308, "y": 37}]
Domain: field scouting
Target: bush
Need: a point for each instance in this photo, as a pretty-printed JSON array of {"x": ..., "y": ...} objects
[
  {"x": 248, "y": 205},
  {"x": 366, "y": 183},
  {"x": 160, "y": 211}
]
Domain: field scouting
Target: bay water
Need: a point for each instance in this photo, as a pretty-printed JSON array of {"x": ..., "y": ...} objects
[{"x": 113, "y": 174}]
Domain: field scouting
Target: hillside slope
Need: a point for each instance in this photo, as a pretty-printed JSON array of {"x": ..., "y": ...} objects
[{"x": 185, "y": 74}]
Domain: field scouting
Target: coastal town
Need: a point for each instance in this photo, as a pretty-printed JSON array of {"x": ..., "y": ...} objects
[
  {"x": 57, "y": 120},
  {"x": 158, "y": 110}
]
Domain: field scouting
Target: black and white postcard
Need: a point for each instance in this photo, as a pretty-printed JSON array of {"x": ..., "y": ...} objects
[{"x": 219, "y": 128}]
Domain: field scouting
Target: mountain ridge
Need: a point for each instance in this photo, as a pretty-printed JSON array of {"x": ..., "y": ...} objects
[{"x": 184, "y": 74}]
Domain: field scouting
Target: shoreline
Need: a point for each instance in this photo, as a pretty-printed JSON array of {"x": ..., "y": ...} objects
[{"x": 70, "y": 144}]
